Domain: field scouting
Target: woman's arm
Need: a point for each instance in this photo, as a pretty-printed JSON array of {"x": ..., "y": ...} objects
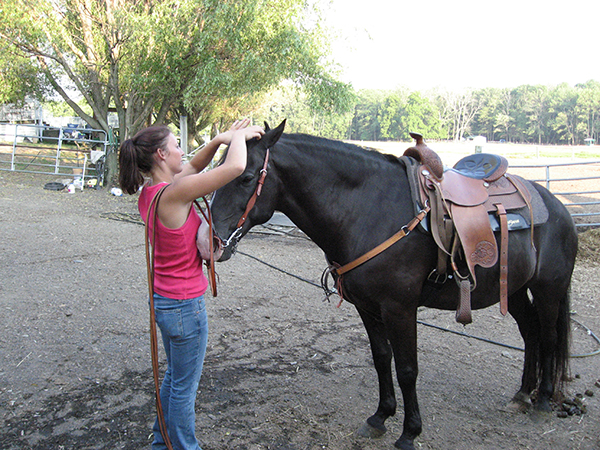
[
  {"x": 177, "y": 198},
  {"x": 203, "y": 158}
]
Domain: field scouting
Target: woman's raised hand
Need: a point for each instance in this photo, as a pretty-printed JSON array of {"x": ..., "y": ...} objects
[
  {"x": 254, "y": 131},
  {"x": 241, "y": 126}
]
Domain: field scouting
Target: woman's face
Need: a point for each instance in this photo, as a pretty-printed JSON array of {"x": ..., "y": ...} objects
[{"x": 174, "y": 154}]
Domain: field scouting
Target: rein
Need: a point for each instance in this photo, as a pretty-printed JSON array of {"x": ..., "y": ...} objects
[
  {"x": 153, "y": 334},
  {"x": 334, "y": 269},
  {"x": 238, "y": 231},
  {"x": 337, "y": 270}
]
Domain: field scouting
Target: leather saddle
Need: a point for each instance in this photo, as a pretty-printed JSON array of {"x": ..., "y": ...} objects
[{"x": 463, "y": 200}]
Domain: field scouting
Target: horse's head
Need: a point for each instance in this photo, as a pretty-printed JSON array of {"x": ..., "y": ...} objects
[{"x": 248, "y": 200}]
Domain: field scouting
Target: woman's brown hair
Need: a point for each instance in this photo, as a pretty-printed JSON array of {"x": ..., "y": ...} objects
[{"x": 136, "y": 156}]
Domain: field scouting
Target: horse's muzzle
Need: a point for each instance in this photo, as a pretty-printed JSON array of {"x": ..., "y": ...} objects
[{"x": 203, "y": 242}]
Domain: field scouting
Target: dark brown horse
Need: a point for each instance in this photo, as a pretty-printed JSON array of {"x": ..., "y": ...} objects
[{"x": 349, "y": 200}]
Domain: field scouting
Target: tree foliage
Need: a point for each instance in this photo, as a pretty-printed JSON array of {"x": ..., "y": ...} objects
[
  {"x": 154, "y": 60},
  {"x": 537, "y": 114},
  {"x": 527, "y": 114},
  {"x": 294, "y": 104},
  {"x": 540, "y": 114},
  {"x": 19, "y": 78}
]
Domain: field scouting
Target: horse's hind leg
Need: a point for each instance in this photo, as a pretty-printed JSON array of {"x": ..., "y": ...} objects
[
  {"x": 556, "y": 243},
  {"x": 551, "y": 302},
  {"x": 524, "y": 313},
  {"x": 382, "y": 358},
  {"x": 544, "y": 326}
]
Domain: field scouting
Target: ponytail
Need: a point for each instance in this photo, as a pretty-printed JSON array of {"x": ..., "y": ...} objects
[
  {"x": 130, "y": 177},
  {"x": 136, "y": 156}
]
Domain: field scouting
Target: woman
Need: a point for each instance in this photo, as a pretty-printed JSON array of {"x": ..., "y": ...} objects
[{"x": 179, "y": 281}]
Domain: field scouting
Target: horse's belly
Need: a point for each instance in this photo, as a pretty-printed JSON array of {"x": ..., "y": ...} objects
[
  {"x": 487, "y": 292},
  {"x": 447, "y": 296},
  {"x": 440, "y": 296}
]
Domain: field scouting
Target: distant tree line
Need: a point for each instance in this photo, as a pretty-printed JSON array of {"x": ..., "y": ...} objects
[{"x": 526, "y": 114}]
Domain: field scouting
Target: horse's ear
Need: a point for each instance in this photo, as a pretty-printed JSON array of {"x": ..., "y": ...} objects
[
  {"x": 281, "y": 126},
  {"x": 267, "y": 127},
  {"x": 272, "y": 136}
]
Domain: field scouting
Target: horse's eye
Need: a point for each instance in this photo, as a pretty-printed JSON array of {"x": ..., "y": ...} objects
[{"x": 247, "y": 178}]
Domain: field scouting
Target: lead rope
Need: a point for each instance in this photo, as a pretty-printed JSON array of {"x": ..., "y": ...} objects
[{"x": 153, "y": 333}]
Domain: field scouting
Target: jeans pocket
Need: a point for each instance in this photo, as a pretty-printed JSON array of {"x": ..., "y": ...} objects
[{"x": 169, "y": 321}]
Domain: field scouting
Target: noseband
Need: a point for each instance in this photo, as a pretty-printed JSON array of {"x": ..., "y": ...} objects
[{"x": 238, "y": 231}]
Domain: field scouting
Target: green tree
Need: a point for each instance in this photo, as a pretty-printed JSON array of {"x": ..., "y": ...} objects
[
  {"x": 293, "y": 103},
  {"x": 365, "y": 126},
  {"x": 485, "y": 123},
  {"x": 589, "y": 104},
  {"x": 420, "y": 115},
  {"x": 457, "y": 110},
  {"x": 564, "y": 114},
  {"x": 534, "y": 107},
  {"x": 154, "y": 60},
  {"x": 389, "y": 115},
  {"x": 19, "y": 78},
  {"x": 504, "y": 118}
]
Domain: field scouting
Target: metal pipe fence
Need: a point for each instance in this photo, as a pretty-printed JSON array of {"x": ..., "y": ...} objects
[
  {"x": 70, "y": 151},
  {"x": 585, "y": 193},
  {"x": 24, "y": 148}
]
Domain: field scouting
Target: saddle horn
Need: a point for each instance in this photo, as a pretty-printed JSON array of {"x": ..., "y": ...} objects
[
  {"x": 425, "y": 156},
  {"x": 417, "y": 137}
]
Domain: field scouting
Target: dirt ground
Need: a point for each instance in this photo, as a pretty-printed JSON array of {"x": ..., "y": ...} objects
[{"x": 284, "y": 369}]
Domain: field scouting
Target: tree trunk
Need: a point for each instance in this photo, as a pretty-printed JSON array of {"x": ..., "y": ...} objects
[{"x": 112, "y": 168}]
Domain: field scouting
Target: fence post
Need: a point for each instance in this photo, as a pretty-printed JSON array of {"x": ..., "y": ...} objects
[{"x": 14, "y": 151}]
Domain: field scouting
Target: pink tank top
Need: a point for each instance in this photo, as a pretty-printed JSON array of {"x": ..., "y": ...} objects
[{"x": 178, "y": 270}]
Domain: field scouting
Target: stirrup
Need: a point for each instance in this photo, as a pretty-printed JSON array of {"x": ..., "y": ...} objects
[{"x": 437, "y": 279}]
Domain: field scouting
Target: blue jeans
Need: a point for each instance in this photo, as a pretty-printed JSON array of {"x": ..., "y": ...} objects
[{"x": 184, "y": 328}]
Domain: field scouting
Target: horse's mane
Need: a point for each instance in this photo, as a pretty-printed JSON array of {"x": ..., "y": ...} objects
[
  {"x": 348, "y": 153},
  {"x": 344, "y": 149}
]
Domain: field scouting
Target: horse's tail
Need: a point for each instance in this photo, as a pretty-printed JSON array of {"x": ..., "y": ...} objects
[
  {"x": 562, "y": 354},
  {"x": 560, "y": 244}
]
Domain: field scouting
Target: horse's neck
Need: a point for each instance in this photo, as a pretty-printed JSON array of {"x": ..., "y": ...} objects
[
  {"x": 307, "y": 182},
  {"x": 331, "y": 195}
]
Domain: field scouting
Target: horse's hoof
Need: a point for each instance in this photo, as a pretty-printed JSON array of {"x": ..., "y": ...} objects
[
  {"x": 543, "y": 405},
  {"x": 517, "y": 406},
  {"x": 404, "y": 444},
  {"x": 522, "y": 397},
  {"x": 540, "y": 417},
  {"x": 369, "y": 431}
]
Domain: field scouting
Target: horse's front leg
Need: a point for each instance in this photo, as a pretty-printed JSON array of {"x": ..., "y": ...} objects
[
  {"x": 382, "y": 358},
  {"x": 401, "y": 325}
]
